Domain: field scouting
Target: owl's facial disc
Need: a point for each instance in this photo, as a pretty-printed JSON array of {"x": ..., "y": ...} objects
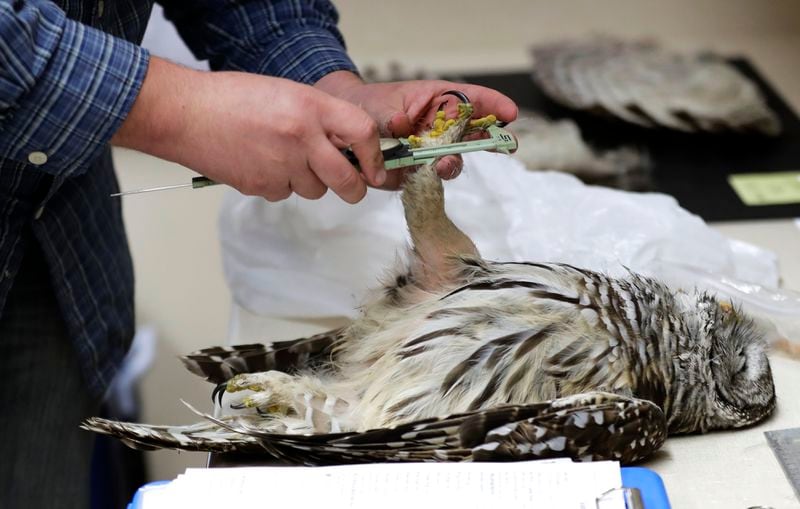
[{"x": 744, "y": 392}]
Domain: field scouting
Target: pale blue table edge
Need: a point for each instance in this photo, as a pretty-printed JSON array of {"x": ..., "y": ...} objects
[{"x": 654, "y": 495}]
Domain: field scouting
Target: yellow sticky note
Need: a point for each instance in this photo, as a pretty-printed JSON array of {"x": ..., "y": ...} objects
[{"x": 779, "y": 188}]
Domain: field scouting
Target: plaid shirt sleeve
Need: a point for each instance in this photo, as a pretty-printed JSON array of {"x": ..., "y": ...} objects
[
  {"x": 64, "y": 87},
  {"x": 295, "y": 39}
]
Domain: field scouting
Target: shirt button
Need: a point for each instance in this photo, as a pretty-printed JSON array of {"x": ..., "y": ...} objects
[{"x": 37, "y": 158}]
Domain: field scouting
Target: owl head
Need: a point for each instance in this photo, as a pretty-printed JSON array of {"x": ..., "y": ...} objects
[{"x": 729, "y": 373}]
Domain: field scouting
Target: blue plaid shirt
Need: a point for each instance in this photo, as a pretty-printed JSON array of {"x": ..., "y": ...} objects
[{"x": 69, "y": 73}]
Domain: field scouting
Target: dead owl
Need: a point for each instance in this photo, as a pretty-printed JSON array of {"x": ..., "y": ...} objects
[{"x": 461, "y": 358}]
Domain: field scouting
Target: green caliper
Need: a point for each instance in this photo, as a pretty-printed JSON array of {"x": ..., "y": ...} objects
[{"x": 398, "y": 153}]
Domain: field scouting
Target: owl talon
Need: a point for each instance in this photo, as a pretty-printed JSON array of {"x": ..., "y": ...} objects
[
  {"x": 461, "y": 95},
  {"x": 219, "y": 391}
]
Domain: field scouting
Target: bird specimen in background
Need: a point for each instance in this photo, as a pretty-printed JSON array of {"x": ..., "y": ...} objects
[
  {"x": 557, "y": 145},
  {"x": 641, "y": 83},
  {"x": 459, "y": 358}
]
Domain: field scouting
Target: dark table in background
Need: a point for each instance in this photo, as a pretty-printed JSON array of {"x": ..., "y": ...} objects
[{"x": 691, "y": 167}]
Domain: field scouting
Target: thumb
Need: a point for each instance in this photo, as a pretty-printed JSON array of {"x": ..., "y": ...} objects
[{"x": 399, "y": 125}]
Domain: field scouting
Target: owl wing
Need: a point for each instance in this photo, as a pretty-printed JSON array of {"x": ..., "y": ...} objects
[
  {"x": 644, "y": 84},
  {"x": 203, "y": 436},
  {"x": 218, "y": 364},
  {"x": 590, "y": 426}
]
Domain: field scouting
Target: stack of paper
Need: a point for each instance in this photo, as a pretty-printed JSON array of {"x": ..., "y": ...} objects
[{"x": 553, "y": 484}]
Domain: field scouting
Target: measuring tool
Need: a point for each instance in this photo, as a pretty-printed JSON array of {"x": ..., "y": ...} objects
[
  {"x": 785, "y": 445},
  {"x": 397, "y": 153}
]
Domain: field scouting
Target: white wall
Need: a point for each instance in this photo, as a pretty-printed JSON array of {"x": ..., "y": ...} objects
[{"x": 180, "y": 288}]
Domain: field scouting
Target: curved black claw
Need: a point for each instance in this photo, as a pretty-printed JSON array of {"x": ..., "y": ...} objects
[
  {"x": 241, "y": 406},
  {"x": 219, "y": 391},
  {"x": 461, "y": 95}
]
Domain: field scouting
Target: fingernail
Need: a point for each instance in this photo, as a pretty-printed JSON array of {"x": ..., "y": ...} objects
[
  {"x": 451, "y": 169},
  {"x": 380, "y": 178}
]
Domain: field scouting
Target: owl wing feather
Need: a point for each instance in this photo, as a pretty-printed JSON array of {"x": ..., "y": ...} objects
[
  {"x": 202, "y": 436},
  {"x": 221, "y": 363},
  {"x": 590, "y": 426}
]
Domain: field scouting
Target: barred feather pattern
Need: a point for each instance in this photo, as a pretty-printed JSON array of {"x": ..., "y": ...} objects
[
  {"x": 592, "y": 426},
  {"x": 528, "y": 359},
  {"x": 220, "y": 363}
]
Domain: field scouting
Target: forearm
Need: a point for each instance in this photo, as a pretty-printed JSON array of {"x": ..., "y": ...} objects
[
  {"x": 158, "y": 119},
  {"x": 338, "y": 83}
]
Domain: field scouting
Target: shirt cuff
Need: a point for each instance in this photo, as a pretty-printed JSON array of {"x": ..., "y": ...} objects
[
  {"x": 305, "y": 55},
  {"x": 65, "y": 120}
]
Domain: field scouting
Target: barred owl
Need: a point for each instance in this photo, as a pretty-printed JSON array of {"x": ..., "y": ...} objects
[{"x": 462, "y": 358}]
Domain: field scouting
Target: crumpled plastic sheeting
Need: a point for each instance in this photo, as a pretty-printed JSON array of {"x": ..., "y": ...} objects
[{"x": 310, "y": 259}]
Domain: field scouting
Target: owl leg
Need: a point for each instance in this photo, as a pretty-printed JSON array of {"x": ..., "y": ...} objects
[
  {"x": 438, "y": 243},
  {"x": 297, "y": 403}
]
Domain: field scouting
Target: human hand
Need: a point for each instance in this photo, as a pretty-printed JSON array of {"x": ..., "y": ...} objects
[
  {"x": 263, "y": 136},
  {"x": 407, "y": 107}
]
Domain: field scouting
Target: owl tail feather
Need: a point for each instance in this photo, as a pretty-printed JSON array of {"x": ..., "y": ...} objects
[{"x": 221, "y": 363}]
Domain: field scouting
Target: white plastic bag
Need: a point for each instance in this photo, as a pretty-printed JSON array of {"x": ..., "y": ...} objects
[{"x": 318, "y": 258}]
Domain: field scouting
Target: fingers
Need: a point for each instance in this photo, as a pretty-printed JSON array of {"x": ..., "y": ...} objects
[
  {"x": 370, "y": 160},
  {"x": 308, "y": 185},
  {"x": 399, "y": 125},
  {"x": 354, "y": 127},
  {"x": 335, "y": 171},
  {"x": 423, "y": 98},
  {"x": 395, "y": 179},
  {"x": 449, "y": 167},
  {"x": 488, "y": 101}
]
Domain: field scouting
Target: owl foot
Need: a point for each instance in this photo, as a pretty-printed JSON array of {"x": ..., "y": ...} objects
[
  {"x": 442, "y": 125},
  {"x": 480, "y": 124},
  {"x": 272, "y": 391}
]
